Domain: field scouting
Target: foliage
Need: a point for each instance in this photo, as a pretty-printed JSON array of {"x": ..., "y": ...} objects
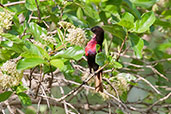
[{"x": 46, "y": 39}]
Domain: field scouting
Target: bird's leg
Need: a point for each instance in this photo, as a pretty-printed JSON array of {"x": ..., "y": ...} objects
[{"x": 90, "y": 69}]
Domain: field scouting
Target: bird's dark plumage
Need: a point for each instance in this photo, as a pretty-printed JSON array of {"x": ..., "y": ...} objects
[{"x": 90, "y": 52}]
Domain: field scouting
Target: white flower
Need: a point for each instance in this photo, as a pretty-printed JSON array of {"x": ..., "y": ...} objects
[
  {"x": 120, "y": 83},
  {"x": 9, "y": 76},
  {"x": 48, "y": 39},
  {"x": 5, "y": 19},
  {"x": 76, "y": 37},
  {"x": 66, "y": 25}
]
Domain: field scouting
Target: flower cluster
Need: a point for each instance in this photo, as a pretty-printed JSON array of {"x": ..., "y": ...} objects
[
  {"x": 120, "y": 83},
  {"x": 5, "y": 19},
  {"x": 9, "y": 76},
  {"x": 75, "y": 36},
  {"x": 38, "y": 44},
  {"x": 66, "y": 25},
  {"x": 48, "y": 39}
]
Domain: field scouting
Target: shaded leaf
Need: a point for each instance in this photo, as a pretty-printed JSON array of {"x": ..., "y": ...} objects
[
  {"x": 103, "y": 17},
  {"x": 116, "y": 30},
  {"x": 5, "y": 95},
  {"x": 100, "y": 58}
]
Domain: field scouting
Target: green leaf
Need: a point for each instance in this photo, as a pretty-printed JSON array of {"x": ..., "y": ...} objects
[
  {"x": 100, "y": 58},
  {"x": 117, "y": 65},
  {"x": 71, "y": 53},
  {"x": 115, "y": 30},
  {"x": 37, "y": 31},
  {"x": 80, "y": 14},
  {"x": 127, "y": 20},
  {"x": 103, "y": 17},
  {"x": 137, "y": 45},
  {"x": 75, "y": 20},
  {"x": 29, "y": 63},
  {"x": 144, "y": 3},
  {"x": 60, "y": 34},
  {"x": 97, "y": 48},
  {"x": 57, "y": 63},
  {"x": 20, "y": 88},
  {"x": 35, "y": 51},
  {"x": 11, "y": 37},
  {"x": 24, "y": 98},
  {"x": 162, "y": 23},
  {"x": 5, "y": 95},
  {"x": 31, "y": 5},
  {"x": 114, "y": 2},
  {"x": 143, "y": 25}
]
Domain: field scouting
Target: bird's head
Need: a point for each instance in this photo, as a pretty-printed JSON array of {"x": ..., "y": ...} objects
[{"x": 97, "y": 30}]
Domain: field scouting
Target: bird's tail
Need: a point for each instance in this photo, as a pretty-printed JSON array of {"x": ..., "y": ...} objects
[{"x": 98, "y": 82}]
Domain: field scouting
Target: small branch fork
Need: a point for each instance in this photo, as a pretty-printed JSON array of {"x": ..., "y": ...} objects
[{"x": 122, "y": 45}]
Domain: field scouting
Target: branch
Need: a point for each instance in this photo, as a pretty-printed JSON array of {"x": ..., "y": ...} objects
[
  {"x": 160, "y": 100},
  {"x": 19, "y": 2},
  {"x": 96, "y": 107},
  {"x": 126, "y": 37},
  {"x": 38, "y": 10},
  {"x": 158, "y": 92}
]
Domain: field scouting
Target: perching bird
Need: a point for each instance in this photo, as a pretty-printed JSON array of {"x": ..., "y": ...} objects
[{"x": 90, "y": 52}]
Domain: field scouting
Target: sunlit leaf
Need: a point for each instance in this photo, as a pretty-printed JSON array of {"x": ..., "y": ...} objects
[
  {"x": 144, "y": 3},
  {"x": 36, "y": 30},
  {"x": 24, "y": 98},
  {"x": 29, "y": 63},
  {"x": 57, "y": 63},
  {"x": 31, "y": 5},
  {"x": 127, "y": 20},
  {"x": 11, "y": 37},
  {"x": 70, "y": 53},
  {"x": 137, "y": 44},
  {"x": 146, "y": 21}
]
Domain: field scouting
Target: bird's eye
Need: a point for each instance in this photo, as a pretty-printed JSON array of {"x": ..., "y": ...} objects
[{"x": 93, "y": 29}]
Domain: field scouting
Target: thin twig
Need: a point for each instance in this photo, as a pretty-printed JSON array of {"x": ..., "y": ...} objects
[
  {"x": 84, "y": 82},
  {"x": 19, "y": 2},
  {"x": 64, "y": 102},
  {"x": 160, "y": 100},
  {"x": 41, "y": 79},
  {"x": 38, "y": 105},
  {"x": 122, "y": 45},
  {"x": 158, "y": 92},
  {"x": 117, "y": 94},
  {"x": 51, "y": 80},
  {"x": 157, "y": 72},
  {"x": 38, "y": 10}
]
